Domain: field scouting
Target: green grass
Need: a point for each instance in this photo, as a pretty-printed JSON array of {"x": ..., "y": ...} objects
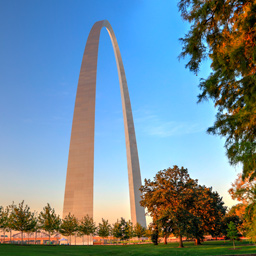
[{"x": 208, "y": 248}]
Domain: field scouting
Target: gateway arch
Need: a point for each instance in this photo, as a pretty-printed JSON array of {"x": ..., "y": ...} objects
[{"x": 78, "y": 198}]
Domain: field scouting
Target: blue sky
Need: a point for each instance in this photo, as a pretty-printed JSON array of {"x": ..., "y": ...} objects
[{"x": 41, "y": 49}]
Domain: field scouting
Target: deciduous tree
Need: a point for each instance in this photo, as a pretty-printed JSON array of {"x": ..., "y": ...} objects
[
  {"x": 104, "y": 229},
  {"x": 117, "y": 230},
  {"x": 208, "y": 210},
  {"x": 165, "y": 226},
  {"x": 171, "y": 195},
  {"x": 23, "y": 219},
  {"x": 69, "y": 226},
  {"x": 244, "y": 190},
  {"x": 177, "y": 203},
  {"x": 232, "y": 232},
  {"x": 225, "y": 32},
  {"x": 4, "y": 219},
  {"x": 122, "y": 229},
  {"x": 87, "y": 226},
  {"x": 139, "y": 231},
  {"x": 49, "y": 220}
]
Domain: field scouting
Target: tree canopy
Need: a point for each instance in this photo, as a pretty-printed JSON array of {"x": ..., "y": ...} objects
[
  {"x": 49, "y": 220},
  {"x": 69, "y": 226},
  {"x": 245, "y": 192},
  {"x": 123, "y": 229},
  {"x": 176, "y": 201},
  {"x": 209, "y": 211},
  {"x": 87, "y": 226},
  {"x": 232, "y": 232},
  {"x": 22, "y": 219},
  {"x": 104, "y": 229},
  {"x": 139, "y": 230},
  {"x": 225, "y": 32}
]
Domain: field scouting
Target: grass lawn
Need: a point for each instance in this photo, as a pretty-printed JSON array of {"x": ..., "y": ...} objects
[{"x": 208, "y": 248}]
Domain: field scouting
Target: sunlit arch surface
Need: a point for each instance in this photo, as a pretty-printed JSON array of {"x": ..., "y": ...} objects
[{"x": 78, "y": 198}]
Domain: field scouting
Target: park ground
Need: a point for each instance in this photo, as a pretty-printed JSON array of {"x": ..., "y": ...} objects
[{"x": 208, "y": 248}]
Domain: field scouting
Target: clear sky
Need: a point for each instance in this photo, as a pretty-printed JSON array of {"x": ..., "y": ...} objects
[{"x": 41, "y": 49}]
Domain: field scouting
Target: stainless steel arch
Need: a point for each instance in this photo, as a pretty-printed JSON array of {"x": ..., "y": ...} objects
[{"x": 78, "y": 198}]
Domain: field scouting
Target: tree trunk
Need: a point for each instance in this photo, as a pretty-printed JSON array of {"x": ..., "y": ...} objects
[
  {"x": 234, "y": 244},
  {"x": 180, "y": 242},
  {"x": 21, "y": 237},
  {"x": 35, "y": 238},
  {"x": 70, "y": 239},
  {"x": 49, "y": 238},
  {"x": 197, "y": 241},
  {"x": 4, "y": 236},
  {"x": 10, "y": 236},
  {"x": 75, "y": 239},
  {"x": 165, "y": 239}
]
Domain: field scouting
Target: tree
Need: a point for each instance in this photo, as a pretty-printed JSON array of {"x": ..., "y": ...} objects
[
  {"x": 148, "y": 232},
  {"x": 23, "y": 219},
  {"x": 230, "y": 216},
  {"x": 171, "y": 195},
  {"x": 232, "y": 232},
  {"x": 69, "y": 226},
  {"x": 36, "y": 229},
  {"x": 208, "y": 210},
  {"x": 139, "y": 231},
  {"x": 4, "y": 219},
  {"x": 178, "y": 204},
  {"x": 87, "y": 226},
  {"x": 165, "y": 226},
  {"x": 225, "y": 31},
  {"x": 9, "y": 225},
  {"x": 122, "y": 229},
  {"x": 252, "y": 232},
  {"x": 129, "y": 230},
  {"x": 117, "y": 230},
  {"x": 49, "y": 220},
  {"x": 154, "y": 233},
  {"x": 244, "y": 190},
  {"x": 104, "y": 229},
  {"x": 250, "y": 220},
  {"x": 126, "y": 228},
  {"x": 1, "y": 217}
]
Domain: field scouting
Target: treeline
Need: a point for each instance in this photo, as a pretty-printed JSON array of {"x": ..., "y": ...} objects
[
  {"x": 181, "y": 206},
  {"x": 178, "y": 205},
  {"x": 21, "y": 218}
]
